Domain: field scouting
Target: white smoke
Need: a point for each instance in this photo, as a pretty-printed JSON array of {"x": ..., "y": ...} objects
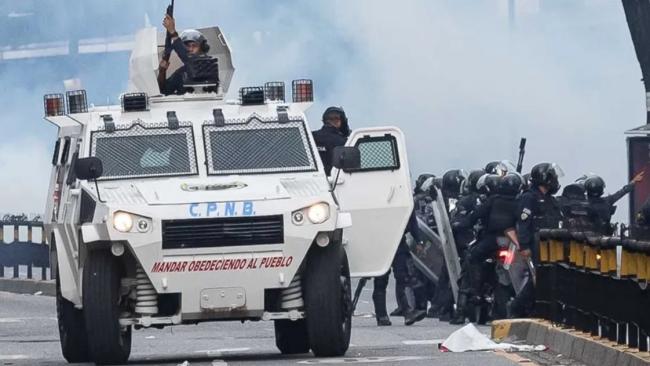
[{"x": 457, "y": 77}]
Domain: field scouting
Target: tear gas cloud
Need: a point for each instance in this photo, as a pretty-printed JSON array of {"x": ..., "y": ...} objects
[{"x": 461, "y": 80}]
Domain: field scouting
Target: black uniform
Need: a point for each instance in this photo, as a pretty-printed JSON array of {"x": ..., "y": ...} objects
[
  {"x": 401, "y": 271},
  {"x": 603, "y": 208},
  {"x": 174, "y": 84},
  {"x": 536, "y": 211},
  {"x": 327, "y": 138}
]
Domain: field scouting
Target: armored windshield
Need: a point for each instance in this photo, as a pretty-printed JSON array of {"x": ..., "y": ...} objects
[
  {"x": 258, "y": 146},
  {"x": 141, "y": 152}
]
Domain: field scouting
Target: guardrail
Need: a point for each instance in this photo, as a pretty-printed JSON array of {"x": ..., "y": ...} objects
[
  {"x": 596, "y": 284},
  {"x": 23, "y": 250}
]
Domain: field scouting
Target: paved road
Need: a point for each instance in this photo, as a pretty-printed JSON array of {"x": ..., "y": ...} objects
[{"x": 28, "y": 336}]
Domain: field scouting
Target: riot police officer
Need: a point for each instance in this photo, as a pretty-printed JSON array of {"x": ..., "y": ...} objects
[
  {"x": 335, "y": 132},
  {"x": 537, "y": 208},
  {"x": 190, "y": 43},
  {"x": 498, "y": 215},
  {"x": 603, "y": 207}
]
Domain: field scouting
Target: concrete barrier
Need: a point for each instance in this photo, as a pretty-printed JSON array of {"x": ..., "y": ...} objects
[{"x": 581, "y": 347}]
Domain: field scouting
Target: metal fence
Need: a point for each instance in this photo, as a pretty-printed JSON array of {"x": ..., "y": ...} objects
[
  {"x": 596, "y": 284},
  {"x": 25, "y": 249}
]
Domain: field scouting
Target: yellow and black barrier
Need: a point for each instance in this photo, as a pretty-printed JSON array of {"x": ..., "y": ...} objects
[{"x": 596, "y": 283}]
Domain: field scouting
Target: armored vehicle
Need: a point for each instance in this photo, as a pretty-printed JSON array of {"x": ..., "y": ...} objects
[{"x": 180, "y": 209}]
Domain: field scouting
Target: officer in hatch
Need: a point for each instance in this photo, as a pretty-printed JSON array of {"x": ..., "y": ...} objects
[
  {"x": 190, "y": 43},
  {"x": 335, "y": 132}
]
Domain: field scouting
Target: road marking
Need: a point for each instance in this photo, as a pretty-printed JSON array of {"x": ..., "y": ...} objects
[
  {"x": 423, "y": 342},
  {"x": 22, "y": 320},
  {"x": 219, "y": 363},
  {"x": 219, "y": 352},
  {"x": 363, "y": 360},
  {"x": 13, "y": 357}
]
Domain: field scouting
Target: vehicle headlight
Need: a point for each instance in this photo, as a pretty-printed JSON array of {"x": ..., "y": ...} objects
[
  {"x": 122, "y": 221},
  {"x": 318, "y": 213}
]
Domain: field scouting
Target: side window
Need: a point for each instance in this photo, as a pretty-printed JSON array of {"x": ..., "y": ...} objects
[
  {"x": 57, "y": 148},
  {"x": 378, "y": 153},
  {"x": 66, "y": 151}
]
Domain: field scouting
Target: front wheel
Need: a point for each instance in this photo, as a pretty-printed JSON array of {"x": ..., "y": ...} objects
[
  {"x": 109, "y": 342},
  {"x": 328, "y": 300},
  {"x": 72, "y": 328}
]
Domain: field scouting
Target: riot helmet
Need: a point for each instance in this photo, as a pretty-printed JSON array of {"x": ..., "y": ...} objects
[
  {"x": 488, "y": 183},
  {"x": 421, "y": 179},
  {"x": 469, "y": 184},
  {"x": 345, "y": 127},
  {"x": 574, "y": 191},
  {"x": 511, "y": 184},
  {"x": 193, "y": 35},
  {"x": 546, "y": 174},
  {"x": 428, "y": 187},
  {"x": 499, "y": 167},
  {"x": 451, "y": 182},
  {"x": 595, "y": 186}
]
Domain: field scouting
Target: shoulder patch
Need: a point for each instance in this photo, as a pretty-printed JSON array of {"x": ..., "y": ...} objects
[{"x": 525, "y": 214}]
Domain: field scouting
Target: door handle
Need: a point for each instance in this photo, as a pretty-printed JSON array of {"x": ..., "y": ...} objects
[{"x": 391, "y": 194}]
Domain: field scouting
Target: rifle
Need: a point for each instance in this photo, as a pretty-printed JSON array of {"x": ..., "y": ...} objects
[
  {"x": 522, "y": 152},
  {"x": 168, "y": 37}
]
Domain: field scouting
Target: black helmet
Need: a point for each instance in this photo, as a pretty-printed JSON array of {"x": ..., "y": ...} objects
[
  {"x": 574, "y": 191},
  {"x": 192, "y": 35},
  {"x": 499, "y": 167},
  {"x": 429, "y": 188},
  {"x": 595, "y": 186},
  {"x": 469, "y": 184},
  {"x": 488, "y": 183},
  {"x": 546, "y": 174},
  {"x": 510, "y": 184},
  {"x": 345, "y": 127},
  {"x": 451, "y": 182},
  {"x": 420, "y": 180}
]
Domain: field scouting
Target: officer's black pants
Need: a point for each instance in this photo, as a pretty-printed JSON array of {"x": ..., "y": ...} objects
[
  {"x": 471, "y": 279},
  {"x": 401, "y": 274},
  {"x": 379, "y": 295}
]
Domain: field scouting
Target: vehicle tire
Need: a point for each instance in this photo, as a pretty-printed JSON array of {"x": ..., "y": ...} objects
[
  {"x": 291, "y": 336},
  {"x": 109, "y": 343},
  {"x": 72, "y": 328},
  {"x": 328, "y": 300}
]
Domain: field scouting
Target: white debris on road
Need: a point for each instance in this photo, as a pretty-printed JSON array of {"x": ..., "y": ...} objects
[{"x": 468, "y": 338}]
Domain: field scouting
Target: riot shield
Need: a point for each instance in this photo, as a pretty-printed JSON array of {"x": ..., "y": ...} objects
[
  {"x": 447, "y": 241},
  {"x": 430, "y": 259}
]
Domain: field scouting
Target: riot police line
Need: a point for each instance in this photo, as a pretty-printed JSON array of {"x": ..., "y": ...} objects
[
  {"x": 487, "y": 247},
  {"x": 472, "y": 248}
]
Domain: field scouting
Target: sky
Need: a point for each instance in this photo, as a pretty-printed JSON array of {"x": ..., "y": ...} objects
[{"x": 462, "y": 81}]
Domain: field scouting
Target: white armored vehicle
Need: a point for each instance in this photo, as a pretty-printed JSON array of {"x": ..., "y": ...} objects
[{"x": 181, "y": 209}]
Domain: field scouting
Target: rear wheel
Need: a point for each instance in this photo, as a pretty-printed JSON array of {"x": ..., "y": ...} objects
[
  {"x": 72, "y": 328},
  {"x": 109, "y": 342},
  {"x": 291, "y": 336},
  {"x": 328, "y": 300}
]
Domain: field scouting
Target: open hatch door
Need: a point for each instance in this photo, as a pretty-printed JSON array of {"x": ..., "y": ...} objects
[{"x": 378, "y": 197}]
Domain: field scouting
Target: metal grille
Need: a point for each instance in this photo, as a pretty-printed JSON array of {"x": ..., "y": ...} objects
[
  {"x": 223, "y": 231},
  {"x": 139, "y": 151},
  {"x": 258, "y": 147},
  {"x": 378, "y": 153}
]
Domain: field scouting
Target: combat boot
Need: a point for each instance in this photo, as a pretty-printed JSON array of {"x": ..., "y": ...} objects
[
  {"x": 397, "y": 312},
  {"x": 414, "y": 316},
  {"x": 383, "y": 321}
]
